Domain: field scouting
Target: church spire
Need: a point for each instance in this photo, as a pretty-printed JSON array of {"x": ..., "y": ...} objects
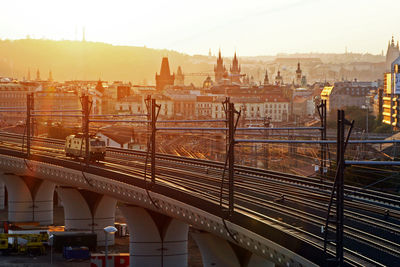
[
  {"x": 219, "y": 69},
  {"x": 235, "y": 70},
  {"x": 29, "y": 74},
  {"x": 179, "y": 77},
  {"x": 266, "y": 79},
  {"x": 38, "y": 75},
  {"x": 50, "y": 76},
  {"x": 392, "y": 40}
]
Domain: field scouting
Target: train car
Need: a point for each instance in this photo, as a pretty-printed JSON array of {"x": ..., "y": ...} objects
[{"x": 75, "y": 147}]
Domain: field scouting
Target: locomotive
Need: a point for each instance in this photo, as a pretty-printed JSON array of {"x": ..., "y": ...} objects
[{"x": 75, "y": 147}]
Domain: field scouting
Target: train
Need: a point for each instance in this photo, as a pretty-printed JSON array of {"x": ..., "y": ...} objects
[{"x": 75, "y": 147}]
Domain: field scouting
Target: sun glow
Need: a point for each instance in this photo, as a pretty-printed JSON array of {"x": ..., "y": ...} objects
[{"x": 255, "y": 27}]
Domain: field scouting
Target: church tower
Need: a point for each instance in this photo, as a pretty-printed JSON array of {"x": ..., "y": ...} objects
[
  {"x": 179, "y": 78},
  {"x": 235, "y": 70},
  {"x": 298, "y": 74},
  {"x": 99, "y": 86},
  {"x": 266, "y": 79},
  {"x": 279, "y": 79},
  {"x": 37, "y": 75},
  {"x": 50, "y": 76},
  {"x": 391, "y": 54},
  {"x": 165, "y": 78},
  {"x": 219, "y": 69}
]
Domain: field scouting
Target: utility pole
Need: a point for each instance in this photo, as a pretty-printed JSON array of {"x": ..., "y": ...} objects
[
  {"x": 322, "y": 113},
  {"x": 340, "y": 187},
  {"x": 29, "y": 101},
  {"x": 266, "y": 146},
  {"x": 32, "y": 118},
  {"x": 337, "y": 194},
  {"x": 85, "y": 125},
  {"x": 366, "y": 127},
  {"x": 231, "y": 150},
  {"x": 225, "y": 106},
  {"x": 153, "y": 140}
]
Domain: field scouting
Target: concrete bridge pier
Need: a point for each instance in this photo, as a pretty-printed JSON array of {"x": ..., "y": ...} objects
[
  {"x": 88, "y": 211},
  {"x": 219, "y": 252},
  {"x": 29, "y": 199},
  {"x": 155, "y": 240}
]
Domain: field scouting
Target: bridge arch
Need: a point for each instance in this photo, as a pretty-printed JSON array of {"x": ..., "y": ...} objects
[
  {"x": 95, "y": 211},
  {"x": 29, "y": 199}
]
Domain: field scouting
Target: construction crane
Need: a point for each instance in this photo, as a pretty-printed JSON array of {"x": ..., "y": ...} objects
[{"x": 198, "y": 74}]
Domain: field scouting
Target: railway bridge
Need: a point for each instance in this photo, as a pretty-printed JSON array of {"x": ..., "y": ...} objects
[{"x": 277, "y": 219}]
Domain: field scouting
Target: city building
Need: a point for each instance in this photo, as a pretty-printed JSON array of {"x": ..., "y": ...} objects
[
  {"x": 13, "y": 97},
  {"x": 204, "y": 106},
  {"x": 347, "y": 94},
  {"x": 303, "y": 103},
  {"x": 165, "y": 78},
  {"x": 390, "y": 97},
  {"x": 130, "y": 104},
  {"x": 120, "y": 137}
]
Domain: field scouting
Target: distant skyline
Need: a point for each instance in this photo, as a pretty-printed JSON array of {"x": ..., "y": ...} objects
[{"x": 252, "y": 28}]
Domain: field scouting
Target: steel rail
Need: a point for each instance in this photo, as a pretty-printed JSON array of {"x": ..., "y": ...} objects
[
  {"x": 279, "y": 128},
  {"x": 130, "y": 121},
  {"x": 206, "y": 187},
  {"x": 367, "y": 194},
  {"x": 119, "y": 115},
  {"x": 272, "y": 141},
  {"x": 188, "y": 121},
  {"x": 58, "y": 111}
]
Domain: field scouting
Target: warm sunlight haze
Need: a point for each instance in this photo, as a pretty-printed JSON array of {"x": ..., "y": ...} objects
[
  {"x": 253, "y": 27},
  {"x": 181, "y": 133}
]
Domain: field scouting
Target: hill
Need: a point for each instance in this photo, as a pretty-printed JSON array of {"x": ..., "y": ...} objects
[
  {"x": 89, "y": 60},
  {"x": 76, "y": 60}
]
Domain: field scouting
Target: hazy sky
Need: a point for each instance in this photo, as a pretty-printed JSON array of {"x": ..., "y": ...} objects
[{"x": 252, "y": 27}]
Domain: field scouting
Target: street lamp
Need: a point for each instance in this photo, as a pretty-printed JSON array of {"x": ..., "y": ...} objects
[
  {"x": 51, "y": 240},
  {"x": 108, "y": 230},
  {"x": 366, "y": 107}
]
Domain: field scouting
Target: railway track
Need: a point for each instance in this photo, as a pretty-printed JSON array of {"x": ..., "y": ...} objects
[{"x": 258, "y": 192}]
